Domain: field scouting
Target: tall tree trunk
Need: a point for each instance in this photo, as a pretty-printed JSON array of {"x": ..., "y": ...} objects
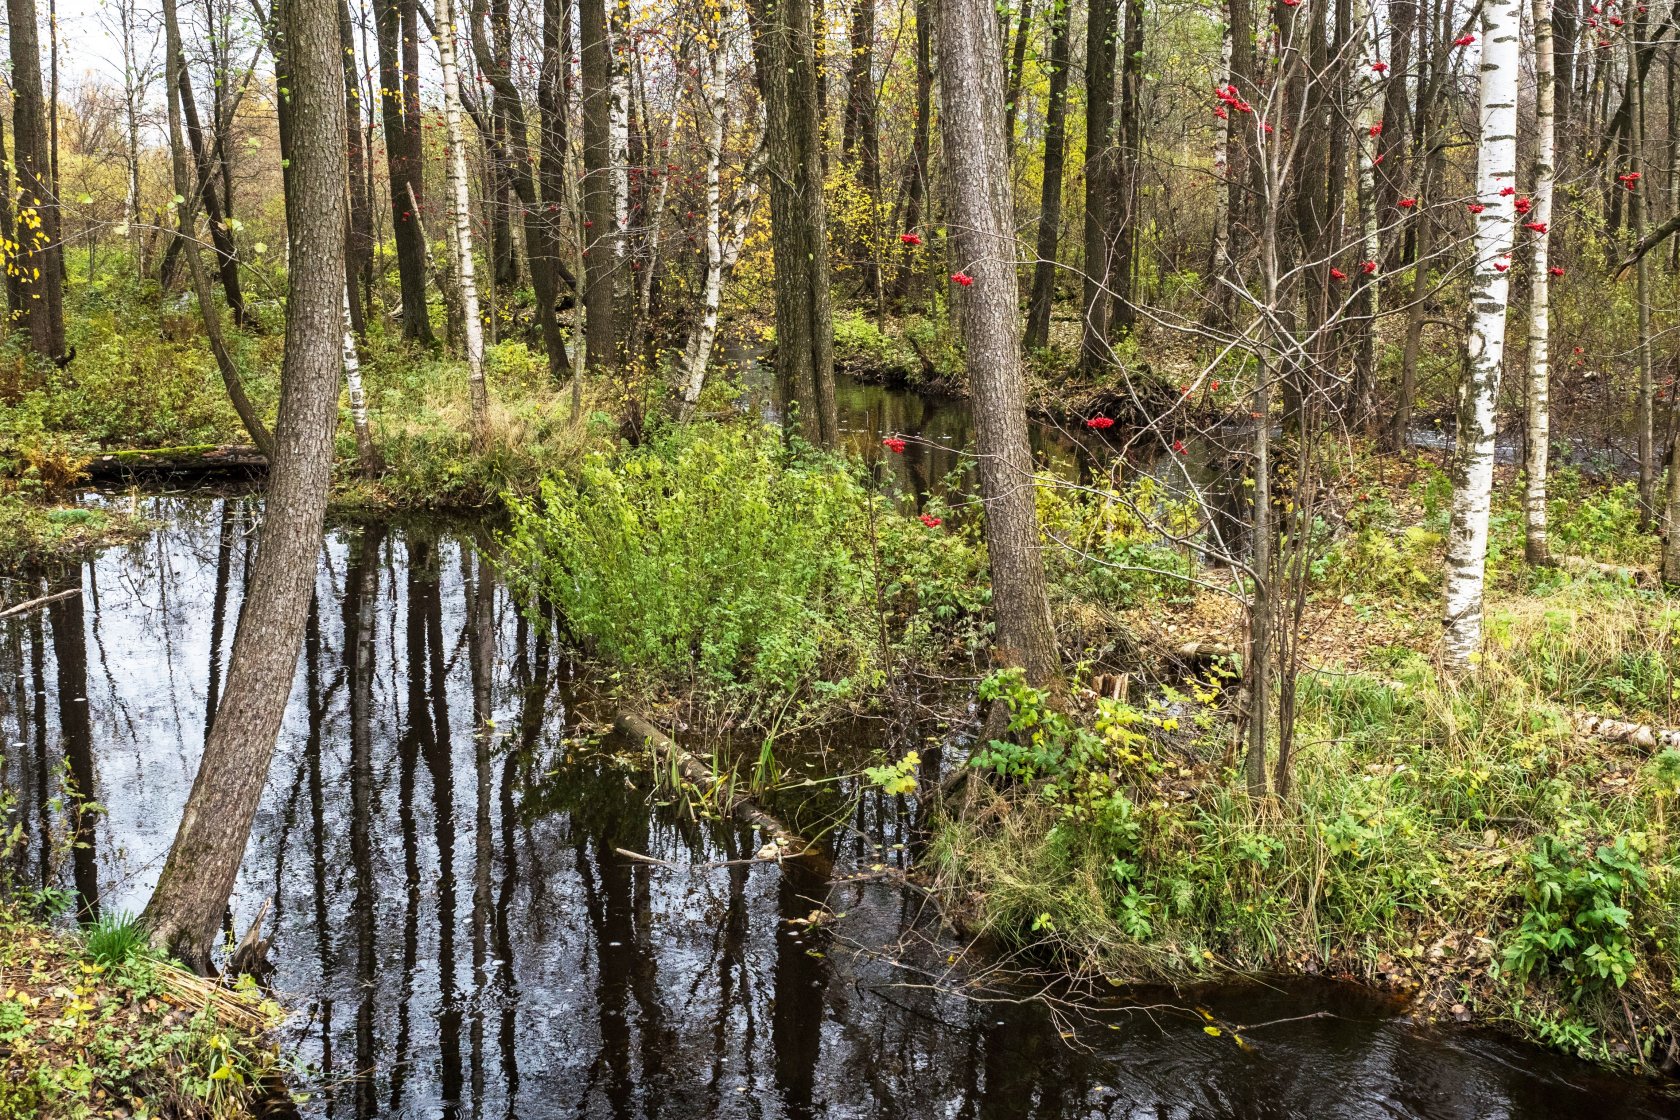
[
  {"x": 402, "y": 157},
  {"x": 1099, "y": 128},
  {"x": 1017, "y": 71},
  {"x": 787, "y": 80},
  {"x": 358, "y": 248},
  {"x": 860, "y": 143},
  {"x": 36, "y": 233},
  {"x": 184, "y": 915},
  {"x": 1472, "y": 462},
  {"x": 1535, "y": 545},
  {"x": 367, "y": 458},
  {"x": 1043, "y": 297},
  {"x": 600, "y": 239},
  {"x": 547, "y": 272},
  {"x": 916, "y": 171},
  {"x": 1128, "y": 168},
  {"x": 1638, "y": 196},
  {"x": 982, "y": 225},
  {"x": 460, "y": 213}
]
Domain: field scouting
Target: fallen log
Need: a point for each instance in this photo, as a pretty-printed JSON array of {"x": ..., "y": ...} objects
[
  {"x": 34, "y": 604},
  {"x": 784, "y": 842},
  {"x": 197, "y": 459},
  {"x": 1633, "y": 576},
  {"x": 1645, "y": 736}
]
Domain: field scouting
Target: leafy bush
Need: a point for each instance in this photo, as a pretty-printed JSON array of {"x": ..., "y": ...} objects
[
  {"x": 1580, "y": 913},
  {"x": 718, "y": 557}
]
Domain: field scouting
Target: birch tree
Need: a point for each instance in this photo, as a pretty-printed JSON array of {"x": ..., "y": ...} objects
[
  {"x": 1535, "y": 546},
  {"x": 460, "y": 215},
  {"x": 1472, "y": 461}
]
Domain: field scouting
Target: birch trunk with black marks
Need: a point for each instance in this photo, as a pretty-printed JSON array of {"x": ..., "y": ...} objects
[
  {"x": 1535, "y": 546},
  {"x": 460, "y": 215},
  {"x": 367, "y": 459},
  {"x": 184, "y": 915},
  {"x": 982, "y": 220},
  {"x": 1472, "y": 462},
  {"x": 600, "y": 258}
]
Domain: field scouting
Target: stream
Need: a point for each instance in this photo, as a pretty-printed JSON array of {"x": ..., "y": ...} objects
[{"x": 457, "y": 933}]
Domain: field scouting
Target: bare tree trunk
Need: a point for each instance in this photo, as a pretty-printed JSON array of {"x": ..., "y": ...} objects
[
  {"x": 599, "y": 210},
  {"x": 1472, "y": 463},
  {"x": 393, "y": 23},
  {"x": 788, "y": 80},
  {"x": 916, "y": 171},
  {"x": 721, "y": 251},
  {"x": 982, "y": 227},
  {"x": 1017, "y": 70},
  {"x": 1043, "y": 297},
  {"x": 1127, "y": 169},
  {"x": 185, "y": 912},
  {"x": 1100, "y": 32},
  {"x": 40, "y": 270},
  {"x": 1535, "y": 545},
  {"x": 1649, "y": 466},
  {"x": 359, "y": 246},
  {"x": 460, "y": 214}
]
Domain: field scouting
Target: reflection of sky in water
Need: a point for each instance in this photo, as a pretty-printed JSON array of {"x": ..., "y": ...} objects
[{"x": 456, "y": 925}]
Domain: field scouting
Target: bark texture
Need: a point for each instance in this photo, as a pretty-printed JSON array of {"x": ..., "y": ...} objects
[
  {"x": 982, "y": 224},
  {"x": 1472, "y": 462},
  {"x": 1535, "y": 545},
  {"x": 184, "y": 915}
]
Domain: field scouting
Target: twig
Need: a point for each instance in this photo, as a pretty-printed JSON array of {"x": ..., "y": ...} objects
[{"x": 31, "y": 604}]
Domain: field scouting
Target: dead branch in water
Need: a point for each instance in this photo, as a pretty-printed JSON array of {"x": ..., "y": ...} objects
[
  {"x": 787, "y": 843},
  {"x": 33, "y": 604}
]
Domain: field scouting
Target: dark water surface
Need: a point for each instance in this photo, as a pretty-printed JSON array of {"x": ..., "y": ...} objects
[{"x": 460, "y": 937}]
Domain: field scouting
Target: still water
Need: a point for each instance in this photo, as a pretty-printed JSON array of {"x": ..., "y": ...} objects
[{"x": 459, "y": 934}]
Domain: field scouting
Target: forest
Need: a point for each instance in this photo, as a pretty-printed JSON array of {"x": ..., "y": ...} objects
[{"x": 784, "y": 559}]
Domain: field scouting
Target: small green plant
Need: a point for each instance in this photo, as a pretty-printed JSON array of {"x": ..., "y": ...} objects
[
  {"x": 896, "y": 777},
  {"x": 114, "y": 940},
  {"x": 1580, "y": 914}
]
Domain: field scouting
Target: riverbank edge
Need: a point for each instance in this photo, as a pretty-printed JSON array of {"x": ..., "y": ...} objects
[{"x": 126, "y": 1035}]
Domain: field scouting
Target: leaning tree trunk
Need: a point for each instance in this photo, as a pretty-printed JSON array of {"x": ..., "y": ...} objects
[
  {"x": 1043, "y": 297},
  {"x": 176, "y": 94},
  {"x": 983, "y": 241},
  {"x": 184, "y": 915},
  {"x": 1472, "y": 463},
  {"x": 460, "y": 213},
  {"x": 1535, "y": 545}
]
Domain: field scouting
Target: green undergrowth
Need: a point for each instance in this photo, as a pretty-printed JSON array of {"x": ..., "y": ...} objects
[
  {"x": 1460, "y": 840},
  {"x": 722, "y": 562}
]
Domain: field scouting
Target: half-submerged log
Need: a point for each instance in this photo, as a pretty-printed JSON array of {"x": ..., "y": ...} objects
[{"x": 784, "y": 842}]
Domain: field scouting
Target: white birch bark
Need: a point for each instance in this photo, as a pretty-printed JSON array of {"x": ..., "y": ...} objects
[
  {"x": 366, "y": 458},
  {"x": 472, "y": 329},
  {"x": 619, "y": 131},
  {"x": 1472, "y": 464},
  {"x": 1221, "y": 170},
  {"x": 1535, "y": 545}
]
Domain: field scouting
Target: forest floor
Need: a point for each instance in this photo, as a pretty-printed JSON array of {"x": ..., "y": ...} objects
[
  {"x": 92, "y": 1026},
  {"x": 1486, "y": 846}
]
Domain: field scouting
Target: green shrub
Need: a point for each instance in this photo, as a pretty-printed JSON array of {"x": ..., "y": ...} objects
[
  {"x": 1580, "y": 913},
  {"x": 718, "y": 557}
]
